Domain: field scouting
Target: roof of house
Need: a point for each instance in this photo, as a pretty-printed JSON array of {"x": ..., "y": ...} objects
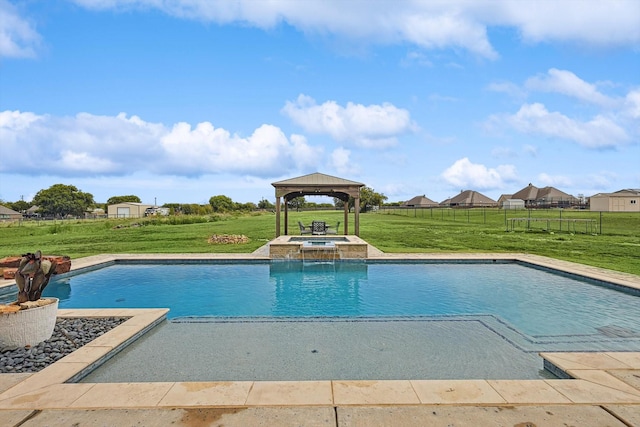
[
  {"x": 422, "y": 200},
  {"x": 470, "y": 198},
  {"x": 504, "y": 197},
  {"x": 627, "y": 192},
  {"x": 531, "y": 192},
  {"x": 6, "y": 211}
]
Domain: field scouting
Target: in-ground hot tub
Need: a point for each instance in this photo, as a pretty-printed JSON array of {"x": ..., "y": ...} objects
[{"x": 318, "y": 247}]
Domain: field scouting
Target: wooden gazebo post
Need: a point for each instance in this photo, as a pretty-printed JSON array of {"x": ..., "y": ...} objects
[{"x": 277, "y": 216}]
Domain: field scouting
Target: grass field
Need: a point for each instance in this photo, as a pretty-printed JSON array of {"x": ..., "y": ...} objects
[{"x": 616, "y": 247}]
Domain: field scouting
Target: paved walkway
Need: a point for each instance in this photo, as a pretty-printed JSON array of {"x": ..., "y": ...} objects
[{"x": 604, "y": 389}]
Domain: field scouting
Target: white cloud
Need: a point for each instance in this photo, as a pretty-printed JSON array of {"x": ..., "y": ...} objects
[
  {"x": 509, "y": 88},
  {"x": 365, "y": 126},
  {"x": 632, "y": 104},
  {"x": 547, "y": 180},
  {"x": 18, "y": 38},
  {"x": 304, "y": 156},
  {"x": 90, "y": 145},
  {"x": 16, "y": 120},
  {"x": 82, "y": 162},
  {"x": 458, "y": 24},
  {"x": 601, "y": 180},
  {"x": 535, "y": 119},
  {"x": 567, "y": 83},
  {"x": 464, "y": 174},
  {"x": 417, "y": 58},
  {"x": 340, "y": 161},
  {"x": 593, "y": 22}
]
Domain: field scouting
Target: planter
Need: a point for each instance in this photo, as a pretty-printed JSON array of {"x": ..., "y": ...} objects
[{"x": 28, "y": 327}]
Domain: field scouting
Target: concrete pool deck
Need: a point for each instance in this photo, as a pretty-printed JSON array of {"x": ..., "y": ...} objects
[{"x": 604, "y": 389}]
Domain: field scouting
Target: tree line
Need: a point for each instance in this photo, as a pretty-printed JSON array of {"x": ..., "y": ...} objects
[{"x": 63, "y": 201}]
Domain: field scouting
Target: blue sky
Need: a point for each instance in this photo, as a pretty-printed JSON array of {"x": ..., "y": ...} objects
[{"x": 178, "y": 101}]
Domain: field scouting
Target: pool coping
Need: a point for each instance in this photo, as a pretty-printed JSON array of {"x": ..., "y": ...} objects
[{"x": 593, "y": 378}]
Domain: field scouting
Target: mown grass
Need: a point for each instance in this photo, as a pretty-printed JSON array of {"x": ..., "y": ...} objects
[{"x": 400, "y": 231}]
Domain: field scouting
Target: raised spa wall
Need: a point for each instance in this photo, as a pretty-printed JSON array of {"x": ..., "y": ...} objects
[{"x": 338, "y": 247}]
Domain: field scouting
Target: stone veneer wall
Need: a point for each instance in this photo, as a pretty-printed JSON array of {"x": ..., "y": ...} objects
[{"x": 293, "y": 250}]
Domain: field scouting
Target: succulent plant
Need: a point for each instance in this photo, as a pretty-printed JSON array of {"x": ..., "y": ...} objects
[{"x": 33, "y": 276}]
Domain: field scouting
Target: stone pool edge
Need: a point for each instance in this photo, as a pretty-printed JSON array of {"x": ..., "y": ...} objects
[{"x": 607, "y": 378}]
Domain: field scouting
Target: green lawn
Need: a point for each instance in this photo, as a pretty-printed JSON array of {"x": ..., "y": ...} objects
[{"x": 429, "y": 231}]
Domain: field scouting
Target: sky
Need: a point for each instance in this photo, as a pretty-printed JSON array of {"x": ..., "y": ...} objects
[{"x": 178, "y": 101}]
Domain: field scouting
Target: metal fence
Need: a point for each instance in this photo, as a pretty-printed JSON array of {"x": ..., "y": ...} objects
[{"x": 551, "y": 220}]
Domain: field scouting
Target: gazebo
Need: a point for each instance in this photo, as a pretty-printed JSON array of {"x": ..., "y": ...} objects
[{"x": 318, "y": 184}]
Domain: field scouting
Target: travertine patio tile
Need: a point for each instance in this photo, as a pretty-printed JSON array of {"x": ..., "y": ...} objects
[
  {"x": 86, "y": 354},
  {"x": 145, "y": 319},
  {"x": 14, "y": 417},
  {"x": 54, "y": 396},
  {"x": 581, "y": 391},
  {"x": 566, "y": 361},
  {"x": 107, "y": 312},
  {"x": 264, "y": 393},
  {"x": 455, "y": 391},
  {"x": 632, "y": 359},
  {"x": 53, "y": 374},
  {"x": 207, "y": 393},
  {"x": 9, "y": 380},
  {"x": 81, "y": 312},
  {"x": 117, "y": 336},
  {"x": 374, "y": 393},
  {"x": 629, "y": 376},
  {"x": 629, "y": 413},
  {"x": 527, "y": 391},
  {"x": 606, "y": 379},
  {"x": 476, "y": 416},
  {"x": 318, "y": 416},
  {"x": 123, "y": 395}
]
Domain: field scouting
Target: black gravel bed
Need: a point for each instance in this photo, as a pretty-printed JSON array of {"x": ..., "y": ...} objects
[{"x": 69, "y": 334}]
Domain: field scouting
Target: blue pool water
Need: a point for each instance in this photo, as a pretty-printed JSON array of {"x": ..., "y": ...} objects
[{"x": 536, "y": 302}]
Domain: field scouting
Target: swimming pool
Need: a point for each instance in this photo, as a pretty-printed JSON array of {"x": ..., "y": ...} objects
[
  {"x": 534, "y": 302},
  {"x": 389, "y": 319}
]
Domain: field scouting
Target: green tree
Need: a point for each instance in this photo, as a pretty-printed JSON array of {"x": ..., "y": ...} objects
[
  {"x": 61, "y": 200},
  {"x": 221, "y": 203},
  {"x": 297, "y": 203},
  {"x": 19, "y": 206},
  {"x": 174, "y": 208},
  {"x": 369, "y": 198},
  {"x": 265, "y": 204},
  {"x": 339, "y": 204},
  {"x": 122, "y": 199},
  {"x": 204, "y": 209},
  {"x": 248, "y": 207}
]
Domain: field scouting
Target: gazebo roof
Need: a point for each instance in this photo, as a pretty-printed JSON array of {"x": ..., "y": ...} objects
[{"x": 316, "y": 179}]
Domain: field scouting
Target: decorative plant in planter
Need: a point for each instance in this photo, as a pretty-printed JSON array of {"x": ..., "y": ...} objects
[
  {"x": 30, "y": 319},
  {"x": 33, "y": 276}
]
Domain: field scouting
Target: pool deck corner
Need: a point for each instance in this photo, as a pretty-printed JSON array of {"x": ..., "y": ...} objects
[{"x": 601, "y": 388}]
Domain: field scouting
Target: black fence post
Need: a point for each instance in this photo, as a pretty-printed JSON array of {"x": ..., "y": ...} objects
[{"x": 601, "y": 222}]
